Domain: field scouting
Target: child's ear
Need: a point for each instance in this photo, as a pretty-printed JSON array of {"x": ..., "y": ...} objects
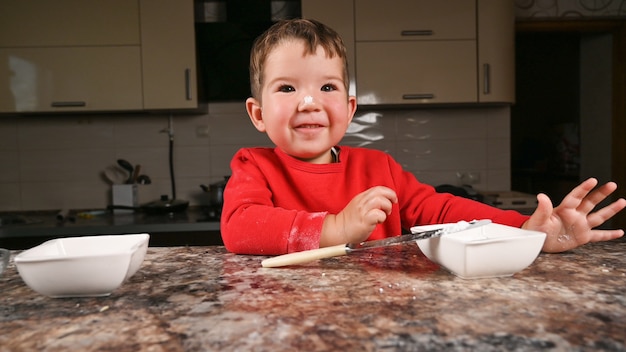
[
  {"x": 255, "y": 112},
  {"x": 352, "y": 105}
]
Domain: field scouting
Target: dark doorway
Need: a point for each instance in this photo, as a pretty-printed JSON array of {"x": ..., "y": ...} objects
[
  {"x": 610, "y": 133},
  {"x": 545, "y": 139}
]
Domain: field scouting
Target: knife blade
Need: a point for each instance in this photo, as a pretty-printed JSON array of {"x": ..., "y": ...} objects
[{"x": 343, "y": 249}]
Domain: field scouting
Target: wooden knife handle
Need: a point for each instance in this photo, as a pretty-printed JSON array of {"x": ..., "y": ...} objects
[{"x": 304, "y": 256}]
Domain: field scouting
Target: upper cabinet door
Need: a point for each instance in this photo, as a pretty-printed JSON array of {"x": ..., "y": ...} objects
[
  {"x": 427, "y": 72},
  {"x": 337, "y": 20},
  {"x": 169, "y": 54},
  {"x": 426, "y": 51},
  {"x": 70, "y": 79},
  {"x": 415, "y": 20},
  {"x": 29, "y": 23},
  {"x": 496, "y": 51},
  {"x": 97, "y": 55}
]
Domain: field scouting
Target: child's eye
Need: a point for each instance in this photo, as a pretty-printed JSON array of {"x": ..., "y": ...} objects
[
  {"x": 286, "y": 89},
  {"x": 328, "y": 88}
]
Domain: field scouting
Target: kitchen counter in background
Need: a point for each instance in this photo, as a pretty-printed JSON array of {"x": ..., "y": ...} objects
[
  {"x": 190, "y": 227},
  {"x": 203, "y": 298}
]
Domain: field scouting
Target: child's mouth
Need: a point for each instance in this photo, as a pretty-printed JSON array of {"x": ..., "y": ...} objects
[{"x": 309, "y": 126}]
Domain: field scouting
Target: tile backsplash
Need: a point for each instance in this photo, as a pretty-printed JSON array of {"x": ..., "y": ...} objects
[{"x": 56, "y": 162}]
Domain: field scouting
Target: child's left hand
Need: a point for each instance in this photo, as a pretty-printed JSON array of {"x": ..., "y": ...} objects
[{"x": 571, "y": 223}]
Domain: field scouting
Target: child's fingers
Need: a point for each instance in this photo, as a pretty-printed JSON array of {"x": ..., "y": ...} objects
[
  {"x": 605, "y": 235},
  {"x": 376, "y": 216},
  {"x": 540, "y": 219},
  {"x": 379, "y": 197},
  {"x": 602, "y": 215},
  {"x": 575, "y": 198},
  {"x": 380, "y": 203},
  {"x": 595, "y": 197},
  {"x": 544, "y": 209},
  {"x": 385, "y": 192}
]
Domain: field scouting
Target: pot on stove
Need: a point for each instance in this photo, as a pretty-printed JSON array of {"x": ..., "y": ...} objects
[{"x": 216, "y": 191}]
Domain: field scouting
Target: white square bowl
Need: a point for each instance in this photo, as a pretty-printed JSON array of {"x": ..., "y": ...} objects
[
  {"x": 490, "y": 250},
  {"x": 82, "y": 266}
]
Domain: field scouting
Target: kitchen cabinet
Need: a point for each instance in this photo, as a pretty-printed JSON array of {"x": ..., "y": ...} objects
[
  {"x": 63, "y": 23},
  {"x": 424, "y": 72},
  {"x": 72, "y": 78},
  {"x": 409, "y": 20},
  {"x": 102, "y": 56},
  {"x": 496, "y": 51},
  {"x": 169, "y": 54},
  {"x": 341, "y": 20},
  {"x": 428, "y": 52},
  {"x": 412, "y": 51}
]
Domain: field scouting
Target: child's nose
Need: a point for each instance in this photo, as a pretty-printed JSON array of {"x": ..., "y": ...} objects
[{"x": 308, "y": 102}]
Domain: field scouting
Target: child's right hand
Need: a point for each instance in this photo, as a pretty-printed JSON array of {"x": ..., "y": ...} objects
[{"x": 359, "y": 218}]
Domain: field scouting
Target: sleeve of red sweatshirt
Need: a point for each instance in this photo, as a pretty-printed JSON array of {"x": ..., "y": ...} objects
[
  {"x": 422, "y": 205},
  {"x": 252, "y": 224}
]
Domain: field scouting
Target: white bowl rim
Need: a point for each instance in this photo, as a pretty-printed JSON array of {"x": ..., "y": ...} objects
[
  {"x": 468, "y": 240},
  {"x": 24, "y": 257},
  {"x": 462, "y": 236}
]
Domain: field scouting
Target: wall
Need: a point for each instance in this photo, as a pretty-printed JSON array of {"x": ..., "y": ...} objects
[
  {"x": 569, "y": 9},
  {"x": 56, "y": 162}
]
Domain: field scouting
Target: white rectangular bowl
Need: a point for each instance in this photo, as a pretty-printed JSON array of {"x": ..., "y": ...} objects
[
  {"x": 491, "y": 250},
  {"x": 82, "y": 266}
]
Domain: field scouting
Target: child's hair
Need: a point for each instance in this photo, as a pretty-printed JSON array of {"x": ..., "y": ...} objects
[{"x": 312, "y": 32}]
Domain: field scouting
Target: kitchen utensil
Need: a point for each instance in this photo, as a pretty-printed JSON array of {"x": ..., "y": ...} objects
[
  {"x": 165, "y": 205},
  {"x": 82, "y": 266},
  {"x": 64, "y": 215},
  {"x": 136, "y": 173},
  {"x": 216, "y": 191},
  {"x": 338, "y": 250},
  {"x": 144, "y": 180},
  {"x": 493, "y": 250},
  {"x": 114, "y": 175},
  {"x": 124, "y": 164},
  {"x": 124, "y": 195}
]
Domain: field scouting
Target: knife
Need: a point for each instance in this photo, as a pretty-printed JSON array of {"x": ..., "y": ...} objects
[{"x": 343, "y": 249}]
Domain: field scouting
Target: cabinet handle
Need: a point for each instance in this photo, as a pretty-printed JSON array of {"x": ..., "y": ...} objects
[
  {"x": 68, "y": 104},
  {"x": 418, "y": 96},
  {"x": 486, "y": 79},
  {"x": 416, "y": 32},
  {"x": 188, "y": 83}
]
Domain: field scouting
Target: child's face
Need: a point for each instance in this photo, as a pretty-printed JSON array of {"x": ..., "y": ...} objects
[{"x": 304, "y": 108}]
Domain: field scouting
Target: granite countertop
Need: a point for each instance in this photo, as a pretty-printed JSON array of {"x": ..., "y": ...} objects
[{"x": 204, "y": 298}]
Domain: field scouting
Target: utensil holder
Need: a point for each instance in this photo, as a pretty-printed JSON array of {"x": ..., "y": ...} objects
[{"x": 125, "y": 195}]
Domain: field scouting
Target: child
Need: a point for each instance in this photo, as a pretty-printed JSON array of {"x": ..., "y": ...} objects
[{"x": 308, "y": 192}]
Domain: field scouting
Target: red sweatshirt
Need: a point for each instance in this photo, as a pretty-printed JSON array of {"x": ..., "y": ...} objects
[{"x": 276, "y": 204}]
